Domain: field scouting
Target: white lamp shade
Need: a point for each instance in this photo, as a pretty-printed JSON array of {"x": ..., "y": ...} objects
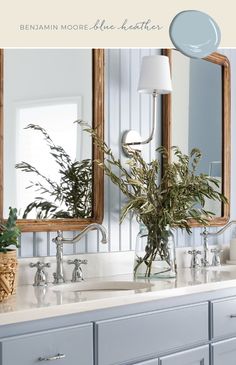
[{"x": 155, "y": 75}]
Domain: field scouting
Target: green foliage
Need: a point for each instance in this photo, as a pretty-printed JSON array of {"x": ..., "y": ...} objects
[
  {"x": 74, "y": 189},
  {"x": 161, "y": 201},
  {"x": 9, "y": 231}
]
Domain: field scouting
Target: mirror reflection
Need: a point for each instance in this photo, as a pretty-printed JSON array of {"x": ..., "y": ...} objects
[
  {"x": 197, "y": 114},
  {"x": 47, "y": 157}
]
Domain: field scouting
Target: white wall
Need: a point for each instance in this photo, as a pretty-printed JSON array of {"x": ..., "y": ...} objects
[{"x": 125, "y": 109}]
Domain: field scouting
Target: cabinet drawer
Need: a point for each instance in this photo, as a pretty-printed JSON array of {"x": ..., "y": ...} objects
[
  {"x": 146, "y": 335},
  {"x": 74, "y": 344},
  {"x": 224, "y": 352},
  {"x": 198, "y": 356},
  {"x": 224, "y": 317}
]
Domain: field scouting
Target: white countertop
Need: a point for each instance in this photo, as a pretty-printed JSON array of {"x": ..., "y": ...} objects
[{"x": 31, "y": 303}]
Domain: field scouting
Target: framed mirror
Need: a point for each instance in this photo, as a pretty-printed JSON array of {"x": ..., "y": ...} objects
[
  {"x": 197, "y": 114},
  {"x": 47, "y": 170}
]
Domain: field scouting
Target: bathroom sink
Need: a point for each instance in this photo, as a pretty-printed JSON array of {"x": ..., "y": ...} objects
[{"x": 101, "y": 286}]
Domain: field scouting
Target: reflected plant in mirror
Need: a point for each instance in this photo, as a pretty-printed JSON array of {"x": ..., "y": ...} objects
[
  {"x": 197, "y": 114},
  {"x": 50, "y": 89},
  {"x": 68, "y": 197}
]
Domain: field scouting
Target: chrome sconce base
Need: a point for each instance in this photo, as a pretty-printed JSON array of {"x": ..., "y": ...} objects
[{"x": 131, "y": 142}]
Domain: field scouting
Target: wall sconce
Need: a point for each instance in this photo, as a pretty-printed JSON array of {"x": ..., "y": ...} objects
[{"x": 154, "y": 79}]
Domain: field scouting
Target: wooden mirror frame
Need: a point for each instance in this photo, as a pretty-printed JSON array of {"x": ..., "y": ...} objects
[
  {"x": 223, "y": 61},
  {"x": 43, "y": 225}
]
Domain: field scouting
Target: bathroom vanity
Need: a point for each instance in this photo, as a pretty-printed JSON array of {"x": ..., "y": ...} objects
[{"x": 177, "y": 322}]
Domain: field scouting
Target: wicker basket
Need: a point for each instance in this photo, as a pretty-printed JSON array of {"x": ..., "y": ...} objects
[{"x": 8, "y": 271}]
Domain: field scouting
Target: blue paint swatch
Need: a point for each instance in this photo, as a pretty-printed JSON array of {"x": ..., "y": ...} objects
[{"x": 194, "y": 33}]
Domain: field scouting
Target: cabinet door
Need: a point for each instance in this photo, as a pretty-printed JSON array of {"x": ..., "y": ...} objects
[
  {"x": 224, "y": 352},
  {"x": 198, "y": 356}
]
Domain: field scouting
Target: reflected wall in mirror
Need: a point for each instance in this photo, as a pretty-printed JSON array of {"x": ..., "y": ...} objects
[
  {"x": 197, "y": 114},
  {"x": 48, "y": 173}
]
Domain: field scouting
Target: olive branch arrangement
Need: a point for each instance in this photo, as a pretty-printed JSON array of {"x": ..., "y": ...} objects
[
  {"x": 158, "y": 201},
  {"x": 74, "y": 189}
]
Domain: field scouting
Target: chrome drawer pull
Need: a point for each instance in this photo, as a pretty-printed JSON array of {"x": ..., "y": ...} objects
[
  {"x": 52, "y": 358},
  {"x": 232, "y": 316}
]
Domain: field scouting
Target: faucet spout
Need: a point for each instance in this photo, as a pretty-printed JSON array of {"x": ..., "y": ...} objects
[{"x": 92, "y": 226}]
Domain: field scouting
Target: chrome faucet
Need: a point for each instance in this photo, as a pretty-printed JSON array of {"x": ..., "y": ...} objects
[
  {"x": 77, "y": 273},
  {"x": 216, "y": 256},
  {"x": 40, "y": 278},
  {"x": 194, "y": 261},
  {"x": 60, "y": 240},
  {"x": 206, "y": 234},
  {"x": 205, "y": 259}
]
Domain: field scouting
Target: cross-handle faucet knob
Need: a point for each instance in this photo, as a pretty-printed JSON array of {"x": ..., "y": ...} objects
[
  {"x": 195, "y": 261},
  {"x": 77, "y": 274},
  {"x": 40, "y": 278},
  {"x": 216, "y": 256}
]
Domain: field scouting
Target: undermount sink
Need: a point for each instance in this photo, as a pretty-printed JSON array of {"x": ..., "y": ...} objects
[{"x": 101, "y": 286}]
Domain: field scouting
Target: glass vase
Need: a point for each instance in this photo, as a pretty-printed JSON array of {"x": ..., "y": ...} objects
[{"x": 155, "y": 254}]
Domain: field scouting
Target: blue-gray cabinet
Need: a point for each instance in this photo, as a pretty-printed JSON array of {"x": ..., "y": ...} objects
[
  {"x": 192, "y": 333},
  {"x": 198, "y": 356},
  {"x": 72, "y": 346},
  {"x": 223, "y": 318},
  {"x": 224, "y": 352}
]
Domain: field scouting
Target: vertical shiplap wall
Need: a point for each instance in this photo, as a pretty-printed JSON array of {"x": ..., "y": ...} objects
[{"x": 126, "y": 109}]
